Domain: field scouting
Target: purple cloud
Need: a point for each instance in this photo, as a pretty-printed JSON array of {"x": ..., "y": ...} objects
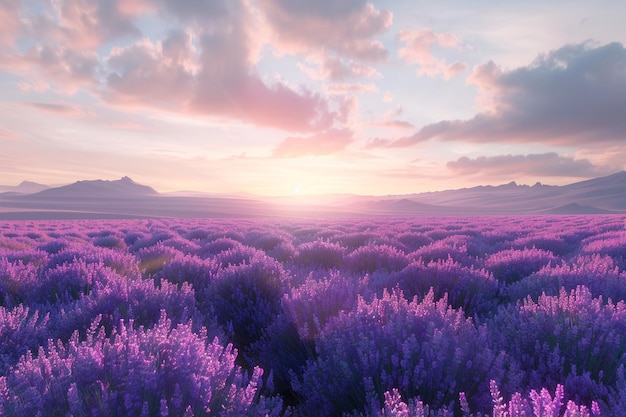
[
  {"x": 346, "y": 27},
  {"x": 548, "y": 164},
  {"x": 575, "y": 95}
]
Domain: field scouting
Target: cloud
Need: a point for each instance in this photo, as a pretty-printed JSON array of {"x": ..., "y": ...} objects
[
  {"x": 9, "y": 16},
  {"x": 346, "y": 27},
  {"x": 350, "y": 88},
  {"x": 548, "y": 164},
  {"x": 211, "y": 71},
  {"x": 61, "y": 40},
  {"x": 390, "y": 120},
  {"x": 9, "y": 135},
  {"x": 374, "y": 143},
  {"x": 85, "y": 24},
  {"x": 335, "y": 69},
  {"x": 59, "y": 109},
  {"x": 53, "y": 67},
  {"x": 393, "y": 124},
  {"x": 417, "y": 50},
  {"x": 324, "y": 143},
  {"x": 204, "y": 65},
  {"x": 420, "y": 136},
  {"x": 127, "y": 126},
  {"x": 151, "y": 74},
  {"x": 198, "y": 11},
  {"x": 573, "y": 96},
  {"x": 348, "y": 108},
  {"x": 36, "y": 85}
]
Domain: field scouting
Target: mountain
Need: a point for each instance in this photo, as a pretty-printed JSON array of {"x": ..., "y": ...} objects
[
  {"x": 604, "y": 193},
  {"x": 575, "y": 208},
  {"x": 124, "y": 187},
  {"x": 124, "y": 198},
  {"x": 25, "y": 187}
]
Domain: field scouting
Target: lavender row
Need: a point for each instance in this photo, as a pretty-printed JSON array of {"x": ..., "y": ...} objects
[{"x": 365, "y": 317}]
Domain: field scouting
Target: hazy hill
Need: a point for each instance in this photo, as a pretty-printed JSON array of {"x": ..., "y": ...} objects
[
  {"x": 124, "y": 187},
  {"x": 123, "y": 198},
  {"x": 604, "y": 194},
  {"x": 25, "y": 187}
]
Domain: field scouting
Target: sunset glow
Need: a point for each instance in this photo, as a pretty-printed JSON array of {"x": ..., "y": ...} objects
[{"x": 298, "y": 98}]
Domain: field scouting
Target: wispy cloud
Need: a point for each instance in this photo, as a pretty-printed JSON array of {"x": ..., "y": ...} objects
[
  {"x": 324, "y": 143},
  {"x": 350, "y": 88},
  {"x": 336, "y": 69},
  {"x": 58, "y": 108},
  {"x": 8, "y": 134},
  {"x": 548, "y": 164}
]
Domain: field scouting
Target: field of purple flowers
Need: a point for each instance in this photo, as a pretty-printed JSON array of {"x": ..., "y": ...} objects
[{"x": 476, "y": 316}]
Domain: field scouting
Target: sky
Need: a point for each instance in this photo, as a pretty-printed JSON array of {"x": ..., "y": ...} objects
[{"x": 289, "y": 97}]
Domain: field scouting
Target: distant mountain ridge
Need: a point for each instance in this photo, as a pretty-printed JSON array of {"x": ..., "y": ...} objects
[
  {"x": 594, "y": 196},
  {"x": 124, "y": 187},
  {"x": 25, "y": 187},
  {"x": 125, "y": 198}
]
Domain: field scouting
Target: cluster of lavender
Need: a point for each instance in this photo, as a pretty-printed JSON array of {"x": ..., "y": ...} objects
[{"x": 484, "y": 316}]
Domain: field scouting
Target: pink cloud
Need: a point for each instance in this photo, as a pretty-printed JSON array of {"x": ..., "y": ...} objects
[
  {"x": 417, "y": 50},
  {"x": 215, "y": 77},
  {"x": 548, "y": 164},
  {"x": 80, "y": 24},
  {"x": 347, "y": 108},
  {"x": 64, "y": 36},
  {"x": 422, "y": 135},
  {"x": 205, "y": 65},
  {"x": 323, "y": 143},
  {"x": 267, "y": 105},
  {"x": 67, "y": 34},
  {"x": 53, "y": 67},
  {"x": 374, "y": 143},
  {"x": 68, "y": 69},
  {"x": 346, "y": 27},
  {"x": 128, "y": 126},
  {"x": 146, "y": 74},
  {"x": 389, "y": 120}
]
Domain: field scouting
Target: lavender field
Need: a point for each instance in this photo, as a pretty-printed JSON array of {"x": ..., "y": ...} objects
[{"x": 449, "y": 316}]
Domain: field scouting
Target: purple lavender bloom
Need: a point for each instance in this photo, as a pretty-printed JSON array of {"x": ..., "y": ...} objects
[{"x": 134, "y": 372}]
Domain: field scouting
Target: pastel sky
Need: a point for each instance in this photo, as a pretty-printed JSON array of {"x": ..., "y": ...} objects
[{"x": 276, "y": 97}]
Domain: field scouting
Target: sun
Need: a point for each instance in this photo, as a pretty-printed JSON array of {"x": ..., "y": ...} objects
[{"x": 297, "y": 189}]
